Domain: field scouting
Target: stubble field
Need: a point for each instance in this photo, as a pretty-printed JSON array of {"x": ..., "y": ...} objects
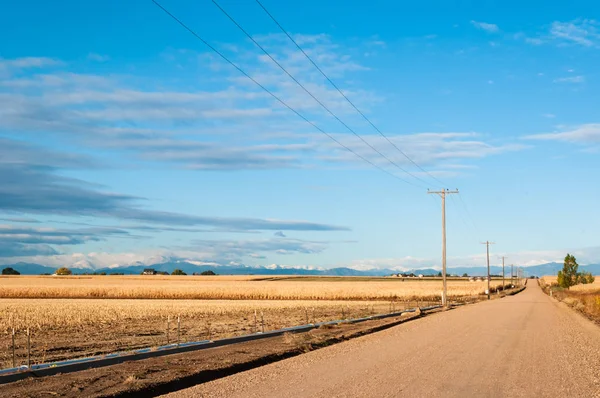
[{"x": 89, "y": 315}]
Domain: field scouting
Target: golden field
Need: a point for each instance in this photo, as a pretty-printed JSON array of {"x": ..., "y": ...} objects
[
  {"x": 233, "y": 288},
  {"x": 73, "y": 328},
  {"x": 40, "y": 314},
  {"x": 590, "y": 287},
  {"x": 76, "y": 316}
]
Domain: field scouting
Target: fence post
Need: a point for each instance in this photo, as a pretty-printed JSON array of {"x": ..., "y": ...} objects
[
  {"x": 28, "y": 349},
  {"x": 313, "y": 315},
  {"x": 255, "y": 322},
  {"x": 168, "y": 327},
  {"x": 306, "y": 314},
  {"x": 262, "y": 321},
  {"x": 178, "y": 328},
  {"x": 14, "y": 362}
]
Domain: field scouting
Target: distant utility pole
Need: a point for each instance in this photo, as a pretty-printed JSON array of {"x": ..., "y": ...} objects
[
  {"x": 511, "y": 274},
  {"x": 503, "y": 257},
  {"x": 443, "y": 194},
  {"x": 487, "y": 244}
]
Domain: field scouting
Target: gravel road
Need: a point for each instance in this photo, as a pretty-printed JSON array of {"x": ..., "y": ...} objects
[{"x": 526, "y": 345}]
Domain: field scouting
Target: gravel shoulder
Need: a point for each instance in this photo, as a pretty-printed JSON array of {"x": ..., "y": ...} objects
[{"x": 521, "y": 346}]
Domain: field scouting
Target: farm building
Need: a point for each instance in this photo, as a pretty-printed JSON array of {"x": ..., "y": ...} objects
[{"x": 149, "y": 271}]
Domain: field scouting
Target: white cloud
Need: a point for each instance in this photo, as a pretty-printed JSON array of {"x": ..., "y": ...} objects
[
  {"x": 584, "y": 134},
  {"x": 98, "y": 57},
  {"x": 581, "y": 31},
  {"x": 29, "y": 62},
  {"x": 536, "y": 41},
  {"x": 570, "y": 79},
  {"x": 488, "y": 27}
]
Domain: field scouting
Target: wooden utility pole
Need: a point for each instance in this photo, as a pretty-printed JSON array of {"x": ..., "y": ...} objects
[
  {"x": 487, "y": 244},
  {"x": 511, "y": 274},
  {"x": 443, "y": 194},
  {"x": 503, "y": 257}
]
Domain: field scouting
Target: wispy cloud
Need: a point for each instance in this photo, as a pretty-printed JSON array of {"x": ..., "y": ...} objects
[
  {"x": 536, "y": 41},
  {"x": 30, "y": 183},
  {"x": 581, "y": 31},
  {"x": 29, "y": 62},
  {"x": 570, "y": 79},
  {"x": 98, "y": 57},
  {"x": 584, "y": 134},
  {"x": 488, "y": 27}
]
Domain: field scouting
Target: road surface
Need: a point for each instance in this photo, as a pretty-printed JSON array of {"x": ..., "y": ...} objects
[{"x": 526, "y": 345}]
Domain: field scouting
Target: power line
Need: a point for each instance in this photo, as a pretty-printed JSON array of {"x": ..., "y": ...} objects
[
  {"x": 462, "y": 218},
  {"x": 272, "y": 94},
  {"x": 311, "y": 94},
  {"x": 342, "y": 93},
  {"x": 468, "y": 214}
]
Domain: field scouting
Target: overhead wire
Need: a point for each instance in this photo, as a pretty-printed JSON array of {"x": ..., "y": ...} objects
[
  {"x": 239, "y": 69},
  {"x": 468, "y": 214},
  {"x": 460, "y": 215},
  {"x": 311, "y": 94},
  {"x": 344, "y": 95}
]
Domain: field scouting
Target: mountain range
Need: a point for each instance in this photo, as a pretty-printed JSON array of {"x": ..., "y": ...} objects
[{"x": 190, "y": 268}]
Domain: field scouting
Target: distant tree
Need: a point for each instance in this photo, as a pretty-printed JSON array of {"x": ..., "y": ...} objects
[
  {"x": 178, "y": 272},
  {"x": 10, "y": 271},
  {"x": 465, "y": 275},
  {"x": 209, "y": 272},
  {"x": 567, "y": 277},
  {"x": 439, "y": 273},
  {"x": 585, "y": 277},
  {"x": 63, "y": 271}
]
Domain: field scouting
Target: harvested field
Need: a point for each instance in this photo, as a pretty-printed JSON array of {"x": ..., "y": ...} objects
[
  {"x": 68, "y": 328},
  {"x": 89, "y": 315},
  {"x": 233, "y": 288}
]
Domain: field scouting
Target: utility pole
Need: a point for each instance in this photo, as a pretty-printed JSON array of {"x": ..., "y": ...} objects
[
  {"x": 443, "y": 194},
  {"x": 503, "y": 257},
  {"x": 511, "y": 274},
  {"x": 487, "y": 244}
]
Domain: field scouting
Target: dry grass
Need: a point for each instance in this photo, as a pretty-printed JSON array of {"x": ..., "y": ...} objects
[
  {"x": 590, "y": 287},
  {"x": 583, "y": 298},
  {"x": 230, "y": 288}
]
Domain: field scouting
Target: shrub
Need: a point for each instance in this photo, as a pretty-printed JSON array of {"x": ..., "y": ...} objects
[
  {"x": 63, "y": 271},
  {"x": 209, "y": 272},
  {"x": 178, "y": 272}
]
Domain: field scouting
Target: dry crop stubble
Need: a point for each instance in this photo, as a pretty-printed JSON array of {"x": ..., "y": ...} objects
[
  {"x": 69, "y": 328},
  {"x": 230, "y": 288}
]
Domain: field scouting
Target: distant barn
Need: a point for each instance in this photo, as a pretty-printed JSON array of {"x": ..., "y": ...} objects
[{"x": 149, "y": 271}]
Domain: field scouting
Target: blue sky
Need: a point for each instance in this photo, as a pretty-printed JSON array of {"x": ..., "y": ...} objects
[{"x": 123, "y": 138}]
